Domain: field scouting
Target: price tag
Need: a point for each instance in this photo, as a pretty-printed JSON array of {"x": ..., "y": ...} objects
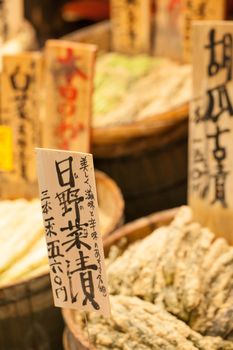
[
  {"x": 211, "y": 127},
  {"x": 131, "y": 26},
  {"x": 69, "y": 88},
  {"x": 6, "y": 148},
  {"x": 70, "y": 212}
]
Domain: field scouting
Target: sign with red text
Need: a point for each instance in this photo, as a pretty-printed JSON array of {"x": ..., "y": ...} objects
[
  {"x": 211, "y": 127},
  {"x": 131, "y": 26},
  {"x": 20, "y": 111},
  {"x": 70, "y": 212},
  {"x": 69, "y": 88}
]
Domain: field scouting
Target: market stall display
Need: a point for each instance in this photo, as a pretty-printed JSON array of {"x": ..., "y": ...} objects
[
  {"x": 123, "y": 144},
  {"x": 26, "y": 303},
  {"x": 179, "y": 275},
  {"x": 130, "y": 89}
]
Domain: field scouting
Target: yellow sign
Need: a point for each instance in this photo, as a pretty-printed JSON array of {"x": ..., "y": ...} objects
[{"x": 6, "y": 148}]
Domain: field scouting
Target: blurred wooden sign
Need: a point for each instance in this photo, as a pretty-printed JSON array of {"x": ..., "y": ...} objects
[
  {"x": 211, "y": 127},
  {"x": 70, "y": 212},
  {"x": 131, "y": 26},
  {"x": 199, "y": 10},
  {"x": 20, "y": 111},
  {"x": 69, "y": 88},
  {"x": 11, "y": 18}
]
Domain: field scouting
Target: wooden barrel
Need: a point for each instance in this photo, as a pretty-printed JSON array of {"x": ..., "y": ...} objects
[
  {"x": 151, "y": 171},
  {"x": 28, "y": 319},
  {"x": 73, "y": 338},
  {"x": 148, "y": 158}
]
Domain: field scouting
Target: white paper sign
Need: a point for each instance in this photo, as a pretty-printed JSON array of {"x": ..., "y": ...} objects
[{"x": 70, "y": 212}]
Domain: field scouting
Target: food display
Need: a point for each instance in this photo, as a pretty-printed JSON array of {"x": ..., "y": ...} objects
[
  {"x": 130, "y": 89},
  {"x": 171, "y": 290},
  {"x": 23, "y": 249}
]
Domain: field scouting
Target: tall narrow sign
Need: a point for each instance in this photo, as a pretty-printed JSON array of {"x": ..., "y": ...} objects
[
  {"x": 69, "y": 87},
  {"x": 199, "y": 10},
  {"x": 211, "y": 127},
  {"x": 131, "y": 26},
  {"x": 70, "y": 212},
  {"x": 20, "y": 111}
]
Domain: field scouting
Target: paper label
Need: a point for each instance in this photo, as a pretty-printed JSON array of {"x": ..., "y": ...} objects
[
  {"x": 131, "y": 26},
  {"x": 6, "y": 148},
  {"x": 69, "y": 88},
  {"x": 70, "y": 212}
]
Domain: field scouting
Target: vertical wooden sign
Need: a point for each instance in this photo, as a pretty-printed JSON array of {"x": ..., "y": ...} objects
[
  {"x": 131, "y": 26},
  {"x": 211, "y": 127},
  {"x": 199, "y": 10},
  {"x": 20, "y": 111},
  {"x": 69, "y": 88},
  {"x": 75, "y": 251}
]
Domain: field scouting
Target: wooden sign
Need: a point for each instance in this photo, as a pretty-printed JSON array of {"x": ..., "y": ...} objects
[
  {"x": 131, "y": 26},
  {"x": 70, "y": 212},
  {"x": 20, "y": 111},
  {"x": 211, "y": 127},
  {"x": 69, "y": 88},
  {"x": 168, "y": 29},
  {"x": 199, "y": 10}
]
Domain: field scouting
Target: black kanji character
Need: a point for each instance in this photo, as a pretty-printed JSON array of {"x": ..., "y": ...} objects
[
  {"x": 92, "y": 223},
  {"x": 67, "y": 198},
  {"x": 226, "y": 57},
  {"x": 49, "y": 227},
  {"x": 84, "y": 164},
  {"x": 218, "y": 103},
  {"x": 54, "y": 249},
  {"x": 56, "y": 265},
  {"x": 65, "y": 172},
  {"x": 77, "y": 233},
  {"x": 62, "y": 290}
]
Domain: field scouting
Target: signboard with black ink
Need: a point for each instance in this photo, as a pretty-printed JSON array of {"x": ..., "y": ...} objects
[
  {"x": 199, "y": 10},
  {"x": 70, "y": 212},
  {"x": 20, "y": 111},
  {"x": 211, "y": 127},
  {"x": 69, "y": 88},
  {"x": 131, "y": 26}
]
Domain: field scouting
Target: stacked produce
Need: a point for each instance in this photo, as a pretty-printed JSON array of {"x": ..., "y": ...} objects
[
  {"x": 22, "y": 240},
  {"x": 172, "y": 290},
  {"x": 129, "y": 89}
]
